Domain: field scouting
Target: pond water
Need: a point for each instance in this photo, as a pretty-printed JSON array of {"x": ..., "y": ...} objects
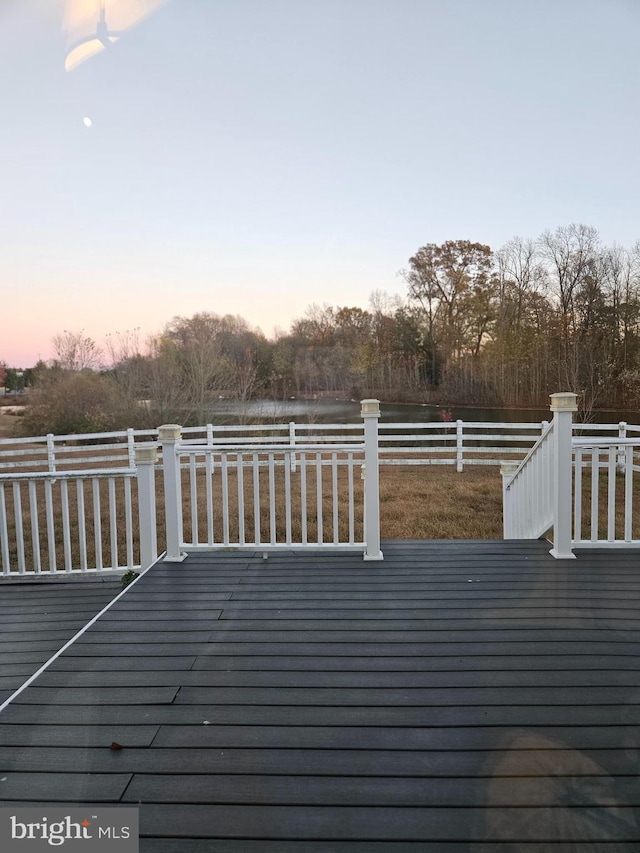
[{"x": 345, "y": 411}]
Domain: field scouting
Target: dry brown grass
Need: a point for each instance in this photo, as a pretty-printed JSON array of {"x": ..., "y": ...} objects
[
  {"x": 435, "y": 502},
  {"x": 8, "y": 425}
]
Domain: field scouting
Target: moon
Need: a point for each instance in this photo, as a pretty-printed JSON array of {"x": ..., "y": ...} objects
[{"x": 86, "y": 121}]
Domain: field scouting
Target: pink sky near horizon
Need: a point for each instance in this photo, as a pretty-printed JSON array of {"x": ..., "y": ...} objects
[{"x": 123, "y": 303}]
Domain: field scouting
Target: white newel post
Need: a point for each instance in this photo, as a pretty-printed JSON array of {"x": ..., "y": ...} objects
[
  {"x": 370, "y": 414},
  {"x": 507, "y": 469},
  {"x": 169, "y": 435},
  {"x": 146, "y": 456},
  {"x": 563, "y": 406}
]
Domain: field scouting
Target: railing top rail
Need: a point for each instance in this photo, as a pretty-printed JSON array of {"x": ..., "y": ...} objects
[
  {"x": 268, "y": 441},
  {"x": 546, "y": 432},
  {"x": 496, "y": 425},
  {"x": 596, "y": 441},
  {"x": 69, "y": 475},
  {"x": 610, "y": 426},
  {"x": 283, "y": 427},
  {"x": 334, "y": 427},
  {"x": 382, "y": 425},
  {"x": 200, "y": 449}
]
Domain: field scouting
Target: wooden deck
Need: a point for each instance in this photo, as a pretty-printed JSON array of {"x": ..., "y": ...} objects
[
  {"x": 37, "y": 620},
  {"x": 459, "y": 696}
]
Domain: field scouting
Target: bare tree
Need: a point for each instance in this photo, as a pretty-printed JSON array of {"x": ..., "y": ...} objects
[
  {"x": 569, "y": 253},
  {"x": 75, "y": 351},
  {"x": 520, "y": 270}
]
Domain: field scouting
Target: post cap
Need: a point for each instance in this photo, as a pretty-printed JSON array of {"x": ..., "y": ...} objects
[
  {"x": 169, "y": 432},
  {"x": 146, "y": 453},
  {"x": 565, "y": 401},
  {"x": 370, "y": 407}
]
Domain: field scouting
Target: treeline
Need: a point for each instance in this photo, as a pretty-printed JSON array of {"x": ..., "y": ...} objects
[
  {"x": 475, "y": 326},
  {"x": 503, "y": 328}
]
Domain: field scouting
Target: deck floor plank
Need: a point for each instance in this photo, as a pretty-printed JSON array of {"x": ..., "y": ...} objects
[{"x": 356, "y": 757}]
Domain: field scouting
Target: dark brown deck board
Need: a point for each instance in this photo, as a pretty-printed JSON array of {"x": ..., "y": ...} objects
[
  {"x": 301, "y": 715},
  {"x": 354, "y": 759},
  {"x": 105, "y": 787},
  {"x": 38, "y": 617},
  {"x": 75, "y": 736},
  {"x": 392, "y": 823},
  {"x": 223, "y": 737},
  {"x": 458, "y": 696},
  {"x": 597, "y": 678},
  {"x": 208, "y": 845}
]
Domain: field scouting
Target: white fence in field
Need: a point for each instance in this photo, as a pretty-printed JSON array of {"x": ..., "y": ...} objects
[
  {"x": 458, "y": 443},
  {"x": 400, "y": 443},
  {"x": 580, "y": 487}
]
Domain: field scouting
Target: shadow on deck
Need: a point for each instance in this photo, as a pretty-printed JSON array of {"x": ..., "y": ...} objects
[{"x": 458, "y": 696}]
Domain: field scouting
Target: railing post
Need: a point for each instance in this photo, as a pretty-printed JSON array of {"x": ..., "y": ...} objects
[
  {"x": 459, "y": 446},
  {"x": 169, "y": 435},
  {"x": 370, "y": 414},
  {"x": 507, "y": 469},
  {"x": 146, "y": 456},
  {"x": 563, "y": 406}
]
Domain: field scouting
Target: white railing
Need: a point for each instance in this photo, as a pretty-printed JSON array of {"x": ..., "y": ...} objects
[
  {"x": 542, "y": 484},
  {"x": 252, "y": 496},
  {"x": 79, "y": 522},
  {"x": 272, "y": 496},
  {"x": 603, "y": 492},
  {"x": 528, "y": 491},
  {"x": 560, "y": 485}
]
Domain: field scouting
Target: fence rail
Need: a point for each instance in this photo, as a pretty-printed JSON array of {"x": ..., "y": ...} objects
[{"x": 458, "y": 443}]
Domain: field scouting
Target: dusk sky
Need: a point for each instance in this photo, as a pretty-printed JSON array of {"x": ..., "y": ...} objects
[{"x": 254, "y": 156}]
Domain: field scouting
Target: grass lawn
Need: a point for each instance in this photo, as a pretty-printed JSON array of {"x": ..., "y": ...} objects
[{"x": 435, "y": 502}]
